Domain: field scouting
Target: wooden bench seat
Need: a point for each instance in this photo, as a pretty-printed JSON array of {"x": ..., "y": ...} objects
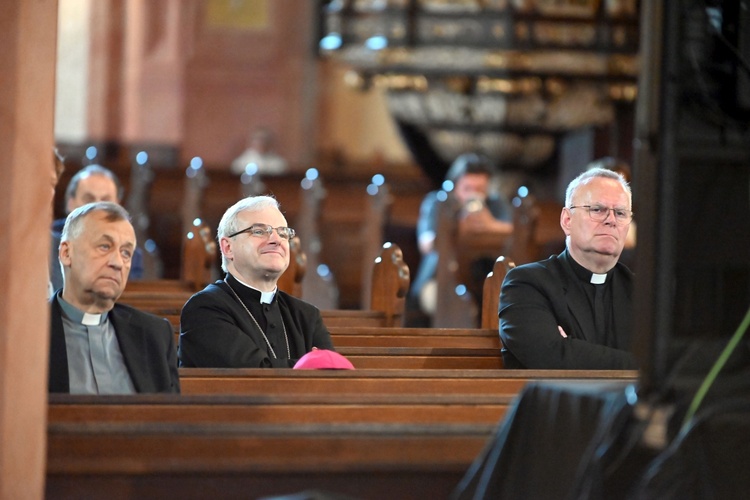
[
  {"x": 260, "y": 381},
  {"x": 364, "y": 433},
  {"x": 390, "y": 282},
  {"x": 171, "y": 310},
  {"x": 177, "y": 460},
  {"x": 423, "y": 357},
  {"x": 415, "y": 337},
  {"x": 291, "y": 408}
]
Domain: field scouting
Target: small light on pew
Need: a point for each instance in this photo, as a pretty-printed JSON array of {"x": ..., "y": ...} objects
[
  {"x": 195, "y": 165},
  {"x": 378, "y": 179},
  {"x": 448, "y": 186},
  {"x": 324, "y": 271},
  {"x": 197, "y": 222},
  {"x": 516, "y": 201},
  {"x": 251, "y": 169},
  {"x": 310, "y": 176},
  {"x": 141, "y": 158},
  {"x": 523, "y": 191},
  {"x": 150, "y": 245},
  {"x": 442, "y": 195},
  {"x": 91, "y": 153},
  {"x": 377, "y": 42},
  {"x": 331, "y": 41},
  {"x": 190, "y": 235},
  {"x": 372, "y": 189},
  {"x": 461, "y": 290}
]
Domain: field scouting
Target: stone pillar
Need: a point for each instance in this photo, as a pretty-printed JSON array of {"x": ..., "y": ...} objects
[{"x": 28, "y": 32}]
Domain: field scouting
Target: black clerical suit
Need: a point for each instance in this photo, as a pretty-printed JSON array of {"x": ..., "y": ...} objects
[
  {"x": 536, "y": 298},
  {"x": 146, "y": 342},
  {"x": 217, "y": 331}
]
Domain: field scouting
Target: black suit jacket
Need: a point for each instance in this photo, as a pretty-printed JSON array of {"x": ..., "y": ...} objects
[
  {"x": 216, "y": 331},
  {"x": 146, "y": 342},
  {"x": 536, "y": 298}
]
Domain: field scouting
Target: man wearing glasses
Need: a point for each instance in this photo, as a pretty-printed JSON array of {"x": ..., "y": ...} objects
[
  {"x": 574, "y": 310},
  {"x": 244, "y": 320}
]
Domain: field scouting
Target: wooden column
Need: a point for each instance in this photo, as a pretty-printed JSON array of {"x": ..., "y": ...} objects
[{"x": 28, "y": 32}]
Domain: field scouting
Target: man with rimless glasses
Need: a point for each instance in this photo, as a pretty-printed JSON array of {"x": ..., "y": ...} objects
[
  {"x": 574, "y": 310},
  {"x": 244, "y": 320}
]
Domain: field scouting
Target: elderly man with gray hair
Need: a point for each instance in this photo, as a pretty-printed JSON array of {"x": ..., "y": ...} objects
[
  {"x": 244, "y": 320},
  {"x": 574, "y": 310},
  {"x": 96, "y": 345}
]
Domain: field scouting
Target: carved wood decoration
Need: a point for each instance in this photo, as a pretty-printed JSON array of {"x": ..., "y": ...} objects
[
  {"x": 199, "y": 255},
  {"x": 460, "y": 290},
  {"x": 291, "y": 280},
  {"x": 455, "y": 307},
  {"x": 536, "y": 230},
  {"x": 387, "y": 284},
  {"x": 491, "y": 296},
  {"x": 141, "y": 179},
  {"x": 318, "y": 285},
  {"x": 196, "y": 182},
  {"x": 379, "y": 201}
]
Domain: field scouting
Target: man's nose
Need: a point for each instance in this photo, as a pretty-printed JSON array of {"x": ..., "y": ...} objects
[
  {"x": 610, "y": 219},
  {"x": 116, "y": 260},
  {"x": 274, "y": 236}
]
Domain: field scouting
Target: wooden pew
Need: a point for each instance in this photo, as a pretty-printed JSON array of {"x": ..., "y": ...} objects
[
  {"x": 379, "y": 201},
  {"x": 199, "y": 254},
  {"x": 154, "y": 460},
  {"x": 365, "y": 433},
  {"x": 260, "y": 381},
  {"x": 141, "y": 179},
  {"x": 423, "y": 357},
  {"x": 285, "y": 408},
  {"x": 536, "y": 230},
  {"x": 318, "y": 288},
  {"x": 491, "y": 295},
  {"x": 291, "y": 280},
  {"x": 390, "y": 284},
  {"x": 415, "y": 337},
  {"x": 458, "y": 251},
  {"x": 424, "y": 338}
]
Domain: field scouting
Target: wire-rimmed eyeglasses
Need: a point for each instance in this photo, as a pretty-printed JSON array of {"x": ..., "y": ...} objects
[
  {"x": 599, "y": 213},
  {"x": 265, "y": 231}
]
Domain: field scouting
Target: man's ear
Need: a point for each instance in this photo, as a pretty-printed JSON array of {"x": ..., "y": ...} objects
[
  {"x": 64, "y": 253},
  {"x": 565, "y": 221},
  {"x": 226, "y": 248}
]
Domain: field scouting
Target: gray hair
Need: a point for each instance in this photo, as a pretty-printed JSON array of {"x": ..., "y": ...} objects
[
  {"x": 228, "y": 223},
  {"x": 74, "y": 222},
  {"x": 593, "y": 173}
]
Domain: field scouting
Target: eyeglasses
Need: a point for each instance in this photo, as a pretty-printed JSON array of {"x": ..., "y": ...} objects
[
  {"x": 599, "y": 213},
  {"x": 265, "y": 231}
]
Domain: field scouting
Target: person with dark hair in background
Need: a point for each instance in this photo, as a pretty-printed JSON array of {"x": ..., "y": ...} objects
[
  {"x": 470, "y": 176},
  {"x": 90, "y": 184},
  {"x": 96, "y": 345},
  {"x": 575, "y": 310},
  {"x": 244, "y": 320}
]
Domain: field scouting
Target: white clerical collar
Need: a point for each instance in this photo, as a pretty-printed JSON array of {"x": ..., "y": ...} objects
[
  {"x": 598, "y": 279},
  {"x": 78, "y": 316},
  {"x": 265, "y": 297}
]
